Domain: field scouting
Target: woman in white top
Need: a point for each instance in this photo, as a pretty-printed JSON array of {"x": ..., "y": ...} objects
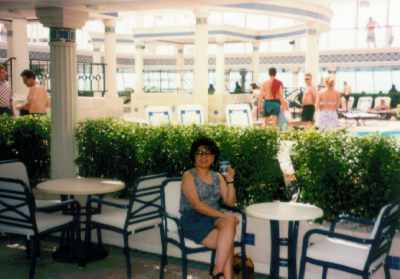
[{"x": 327, "y": 103}]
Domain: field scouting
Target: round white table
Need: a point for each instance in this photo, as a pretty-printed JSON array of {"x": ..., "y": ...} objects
[
  {"x": 80, "y": 186},
  {"x": 289, "y": 212}
]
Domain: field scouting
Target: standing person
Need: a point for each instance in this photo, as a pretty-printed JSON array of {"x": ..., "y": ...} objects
[
  {"x": 309, "y": 98},
  {"x": 271, "y": 94},
  {"x": 327, "y": 103},
  {"x": 5, "y": 93},
  {"x": 202, "y": 219},
  {"x": 37, "y": 100},
  {"x": 255, "y": 92},
  {"x": 346, "y": 94},
  {"x": 371, "y": 25},
  {"x": 389, "y": 35}
]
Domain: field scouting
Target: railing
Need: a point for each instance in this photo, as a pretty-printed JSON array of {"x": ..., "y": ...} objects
[
  {"x": 168, "y": 81},
  {"x": 90, "y": 76}
]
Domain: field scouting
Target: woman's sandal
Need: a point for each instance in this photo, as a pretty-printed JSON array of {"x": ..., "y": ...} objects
[{"x": 218, "y": 275}]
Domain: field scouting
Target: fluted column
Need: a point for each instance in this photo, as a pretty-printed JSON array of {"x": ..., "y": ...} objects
[
  {"x": 220, "y": 67},
  {"x": 110, "y": 57},
  {"x": 62, "y": 23},
  {"x": 200, "y": 84},
  {"x": 63, "y": 101},
  {"x": 312, "y": 53},
  {"x": 18, "y": 47},
  {"x": 255, "y": 61},
  {"x": 139, "y": 68},
  {"x": 180, "y": 65}
]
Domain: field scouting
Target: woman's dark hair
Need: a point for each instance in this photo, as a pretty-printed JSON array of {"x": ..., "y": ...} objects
[{"x": 208, "y": 143}]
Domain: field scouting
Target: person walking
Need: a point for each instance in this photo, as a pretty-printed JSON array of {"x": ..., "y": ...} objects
[
  {"x": 272, "y": 95},
  {"x": 5, "y": 93},
  {"x": 37, "y": 100}
]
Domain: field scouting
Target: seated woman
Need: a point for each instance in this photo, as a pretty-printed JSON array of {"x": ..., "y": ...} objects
[{"x": 202, "y": 220}]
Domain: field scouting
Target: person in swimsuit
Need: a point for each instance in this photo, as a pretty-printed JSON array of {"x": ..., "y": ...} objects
[
  {"x": 271, "y": 94},
  {"x": 309, "y": 97},
  {"x": 202, "y": 219},
  {"x": 371, "y": 25},
  {"x": 327, "y": 103}
]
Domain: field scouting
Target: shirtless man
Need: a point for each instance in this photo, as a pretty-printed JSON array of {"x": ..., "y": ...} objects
[
  {"x": 37, "y": 100},
  {"x": 309, "y": 97},
  {"x": 271, "y": 94}
]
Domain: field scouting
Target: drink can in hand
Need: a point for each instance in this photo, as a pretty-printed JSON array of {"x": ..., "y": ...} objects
[{"x": 223, "y": 167}]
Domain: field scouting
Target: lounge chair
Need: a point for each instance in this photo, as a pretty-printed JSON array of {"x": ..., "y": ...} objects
[
  {"x": 239, "y": 115},
  {"x": 159, "y": 115},
  {"x": 190, "y": 114}
]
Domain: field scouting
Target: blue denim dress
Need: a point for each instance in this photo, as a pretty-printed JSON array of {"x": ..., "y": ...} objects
[{"x": 197, "y": 226}]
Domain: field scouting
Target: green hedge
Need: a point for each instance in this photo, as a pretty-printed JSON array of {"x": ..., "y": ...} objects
[
  {"x": 125, "y": 151},
  {"x": 338, "y": 172},
  {"x": 27, "y": 139},
  {"x": 346, "y": 174}
]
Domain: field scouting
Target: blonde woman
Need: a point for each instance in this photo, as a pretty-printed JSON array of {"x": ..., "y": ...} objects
[{"x": 327, "y": 103}]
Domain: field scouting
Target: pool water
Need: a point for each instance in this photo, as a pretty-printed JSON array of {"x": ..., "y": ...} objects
[{"x": 395, "y": 134}]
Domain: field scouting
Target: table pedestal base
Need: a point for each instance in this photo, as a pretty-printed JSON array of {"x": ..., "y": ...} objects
[{"x": 291, "y": 243}]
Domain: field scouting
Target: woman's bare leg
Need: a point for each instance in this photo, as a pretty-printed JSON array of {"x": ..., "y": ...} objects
[
  {"x": 228, "y": 268},
  {"x": 221, "y": 239}
]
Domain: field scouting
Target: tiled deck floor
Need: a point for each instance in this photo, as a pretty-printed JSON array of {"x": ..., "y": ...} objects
[{"x": 14, "y": 265}]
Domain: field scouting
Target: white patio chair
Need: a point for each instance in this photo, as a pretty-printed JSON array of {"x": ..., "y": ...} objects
[
  {"x": 364, "y": 104},
  {"x": 350, "y": 103},
  {"x": 174, "y": 234},
  {"x": 287, "y": 168},
  {"x": 351, "y": 254},
  {"x": 16, "y": 170},
  {"x": 159, "y": 115},
  {"x": 19, "y": 216},
  {"x": 239, "y": 115},
  {"x": 141, "y": 213},
  {"x": 190, "y": 114}
]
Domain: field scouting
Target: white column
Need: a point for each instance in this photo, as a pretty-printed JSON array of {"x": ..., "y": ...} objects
[
  {"x": 312, "y": 53},
  {"x": 139, "y": 68},
  {"x": 180, "y": 65},
  {"x": 64, "y": 86},
  {"x": 110, "y": 57},
  {"x": 200, "y": 84},
  {"x": 220, "y": 67},
  {"x": 18, "y": 47},
  {"x": 255, "y": 61},
  {"x": 295, "y": 77},
  {"x": 97, "y": 59}
]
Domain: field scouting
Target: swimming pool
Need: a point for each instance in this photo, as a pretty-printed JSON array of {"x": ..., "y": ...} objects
[{"x": 395, "y": 134}]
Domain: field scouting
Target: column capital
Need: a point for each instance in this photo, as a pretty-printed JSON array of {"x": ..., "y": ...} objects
[
  {"x": 62, "y": 17},
  {"x": 256, "y": 45},
  {"x": 179, "y": 49},
  {"x": 201, "y": 16},
  {"x": 109, "y": 25}
]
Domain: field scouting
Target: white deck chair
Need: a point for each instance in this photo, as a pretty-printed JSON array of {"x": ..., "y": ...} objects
[
  {"x": 350, "y": 104},
  {"x": 16, "y": 170},
  {"x": 364, "y": 104},
  {"x": 133, "y": 119},
  {"x": 378, "y": 101},
  {"x": 190, "y": 114},
  {"x": 159, "y": 115},
  {"x": 239, "y": 115}
]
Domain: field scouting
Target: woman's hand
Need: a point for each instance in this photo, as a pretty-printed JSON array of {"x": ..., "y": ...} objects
[{"x": 229, "y": 175}]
